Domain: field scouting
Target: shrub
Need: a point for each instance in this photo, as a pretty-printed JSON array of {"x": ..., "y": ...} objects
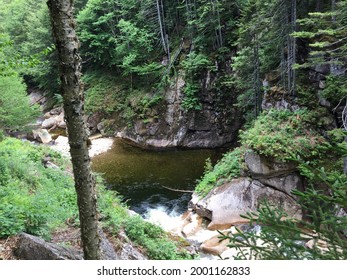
[
  {"x": 226, "y": 169},
  {"x": 33, "y": 198},
  {"x": 281, "y": 134},
  {"x": 15, "y": 110},
  {"x": 154, "y": 240}
]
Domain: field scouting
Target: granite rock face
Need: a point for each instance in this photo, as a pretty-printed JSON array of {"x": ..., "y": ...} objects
[
  {"x": 169, "y": 125},
  {"x": 263, "y": 179},
  {"x": 282, "y": 176},
  {"x": 224, "y": 205}
]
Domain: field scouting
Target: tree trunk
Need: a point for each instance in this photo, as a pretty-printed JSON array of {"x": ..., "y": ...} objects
[{"x": 67, "y": 44}]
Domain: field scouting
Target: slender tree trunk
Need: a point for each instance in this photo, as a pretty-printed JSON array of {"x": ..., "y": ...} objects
[
  {"x": 256, "y": 77},
  {"x": 293, "y": 62},
  {"x": 67, "y": 44},
  {"x": 333, "y": 9},
  {"x": 161, "y": 26}
]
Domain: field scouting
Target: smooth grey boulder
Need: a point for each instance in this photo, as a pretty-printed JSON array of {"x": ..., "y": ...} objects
[
  {"x": 30, "y": 247},
  {"x": 224, "y": 204},
  {"x": 282, "y": 176}
]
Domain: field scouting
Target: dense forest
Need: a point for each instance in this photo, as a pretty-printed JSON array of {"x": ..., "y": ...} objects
[{"x": 268, "y": 76}]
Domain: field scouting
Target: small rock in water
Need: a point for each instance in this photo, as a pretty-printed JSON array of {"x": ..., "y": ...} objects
[{"x": 42, "y": 135}]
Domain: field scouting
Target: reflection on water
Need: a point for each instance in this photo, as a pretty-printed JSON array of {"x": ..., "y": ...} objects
[{"x": 143, "y": 177}]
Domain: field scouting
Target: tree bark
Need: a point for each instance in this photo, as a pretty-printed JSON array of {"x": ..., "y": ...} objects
[{"x": 66, "y": 41}]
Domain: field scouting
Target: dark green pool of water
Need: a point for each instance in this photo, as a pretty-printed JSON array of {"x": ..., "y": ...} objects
[{"x": 143, "y": 177}]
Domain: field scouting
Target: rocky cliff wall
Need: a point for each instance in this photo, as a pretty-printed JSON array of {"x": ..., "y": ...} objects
[{"x": 168, "y": 124}]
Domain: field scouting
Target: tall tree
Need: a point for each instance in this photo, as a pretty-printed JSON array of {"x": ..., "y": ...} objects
[{"x": 66, "y": 41}]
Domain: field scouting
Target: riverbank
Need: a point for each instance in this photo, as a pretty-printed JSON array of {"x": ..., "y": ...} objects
[{"x": 98, "y": 146}]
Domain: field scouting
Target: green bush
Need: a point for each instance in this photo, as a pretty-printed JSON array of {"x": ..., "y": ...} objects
[
  {"x": 15, "y": 110},
  {"x": 33, "y": 198},
  {"x": 226, "y": 169},
  {"x": 281, "y": 134},
  {"x": 154, "y": 240}
]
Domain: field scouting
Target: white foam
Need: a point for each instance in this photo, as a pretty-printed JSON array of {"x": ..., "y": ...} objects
[{"x": 161, "y": 216}]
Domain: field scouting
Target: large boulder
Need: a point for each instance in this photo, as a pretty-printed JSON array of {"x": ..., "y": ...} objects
[
  {"x": 282, "y": 176},
  {"x": 192, "y": 224},
  {"x": 30, "y": 247},
  {"x": 260, "y": 166},
  {"x": 224, "y": 204}
]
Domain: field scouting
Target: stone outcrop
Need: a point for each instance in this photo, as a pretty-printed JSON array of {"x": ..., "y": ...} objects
[
  {"x": 54, "y": 119},
  {"x": 169, "y": 125},
  {"x": 282, "y": 176},
  {"x": 266, "y": 179},
  {"x": 30, "y": 247},
  {"x": 224, "y": 205}
]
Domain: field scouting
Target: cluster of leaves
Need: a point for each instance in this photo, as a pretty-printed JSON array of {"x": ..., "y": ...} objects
[
  {"x": 154, "y": 240},
  {"x": 101, "y": 90},
  {"x": 226, "y": 169},
  {"x": 27, "y": 23},
  {"x": 281, "y": 134},
  {"x": 15, "y": 110},
  {"x": 320, "y": 235}
]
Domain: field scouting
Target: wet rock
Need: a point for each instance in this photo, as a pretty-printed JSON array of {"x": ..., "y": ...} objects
[
  {"x": 192, "y": 224},
  {"x": 215, "y": 246},
  {"x": 42, "y": 135},
  {"x": 52, "y": 121},
  {"x": 49, "y": 123},
  {"x": 30, "y": 247}
]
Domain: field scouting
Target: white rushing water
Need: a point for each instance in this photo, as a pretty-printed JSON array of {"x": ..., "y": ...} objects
[{"x": 168, "y": 219}]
